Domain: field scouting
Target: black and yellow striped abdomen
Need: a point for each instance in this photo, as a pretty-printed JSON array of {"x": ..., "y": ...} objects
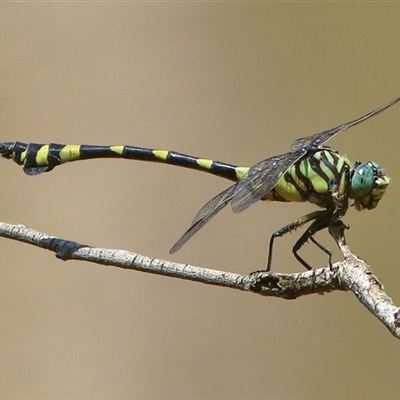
[
  {"x": 39, "y": 158},
  {"x": 309, "y": 178}
]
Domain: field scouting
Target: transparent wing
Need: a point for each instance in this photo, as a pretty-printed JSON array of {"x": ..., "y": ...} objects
[
  {"x": 214, "y": 206},
  {"x": 262, "y": 178},
  {"x": 322, "y": 137}
]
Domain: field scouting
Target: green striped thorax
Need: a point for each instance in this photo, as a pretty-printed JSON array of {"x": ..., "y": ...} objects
[{"x": 367, "y": 185}]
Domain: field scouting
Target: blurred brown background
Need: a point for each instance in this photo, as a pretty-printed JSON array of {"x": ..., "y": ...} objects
[{"x": 231, "y": 81}]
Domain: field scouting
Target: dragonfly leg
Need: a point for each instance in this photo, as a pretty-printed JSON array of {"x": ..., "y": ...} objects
[
  {"x": 321, "y": 222},
  {"x": 319, "y": 245},
  {"x": 323, "y": 248},
  {"x": 289, "y": 228}
]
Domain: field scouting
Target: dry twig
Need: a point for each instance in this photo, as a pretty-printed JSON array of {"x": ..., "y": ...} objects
[{"x": 352, "y": 274}]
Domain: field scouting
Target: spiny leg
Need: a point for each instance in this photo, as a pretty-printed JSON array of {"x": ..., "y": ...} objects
[
  {"x": 286, "y": 229},
  {"x": 323, "y": 248},
  {"x": 321, "y": 222}
]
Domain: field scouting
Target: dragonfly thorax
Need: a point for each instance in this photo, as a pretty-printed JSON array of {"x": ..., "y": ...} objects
[
  {"x": 312, "y": 178},
  {"x": 367, "y": 185}
]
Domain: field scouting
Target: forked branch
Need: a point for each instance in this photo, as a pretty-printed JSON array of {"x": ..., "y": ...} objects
[{"x": 352, "y": 274}]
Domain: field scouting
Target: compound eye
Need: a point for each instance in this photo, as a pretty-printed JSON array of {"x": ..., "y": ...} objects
[{"x": 362, "y": 181}]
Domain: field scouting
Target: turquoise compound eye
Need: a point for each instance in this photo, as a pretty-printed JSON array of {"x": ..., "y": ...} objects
[{"x": 362, "y": 181}]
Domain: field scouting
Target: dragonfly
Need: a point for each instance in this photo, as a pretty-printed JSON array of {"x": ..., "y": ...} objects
[{"x": 309, "y": 172}]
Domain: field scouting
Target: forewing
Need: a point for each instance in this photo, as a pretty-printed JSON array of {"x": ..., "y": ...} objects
[
  {"x": 322, "y": 137},
  {"x": 214, "y": 206},
  {"x": 262, "y": 178}
]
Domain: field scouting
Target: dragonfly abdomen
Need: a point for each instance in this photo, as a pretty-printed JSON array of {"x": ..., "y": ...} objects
[
  {"x": 39, "y": 158},
  {"x": 309, "y": 178}
]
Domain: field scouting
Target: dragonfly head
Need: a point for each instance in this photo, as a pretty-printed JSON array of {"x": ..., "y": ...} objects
[{"x": 368, "y": 184}]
